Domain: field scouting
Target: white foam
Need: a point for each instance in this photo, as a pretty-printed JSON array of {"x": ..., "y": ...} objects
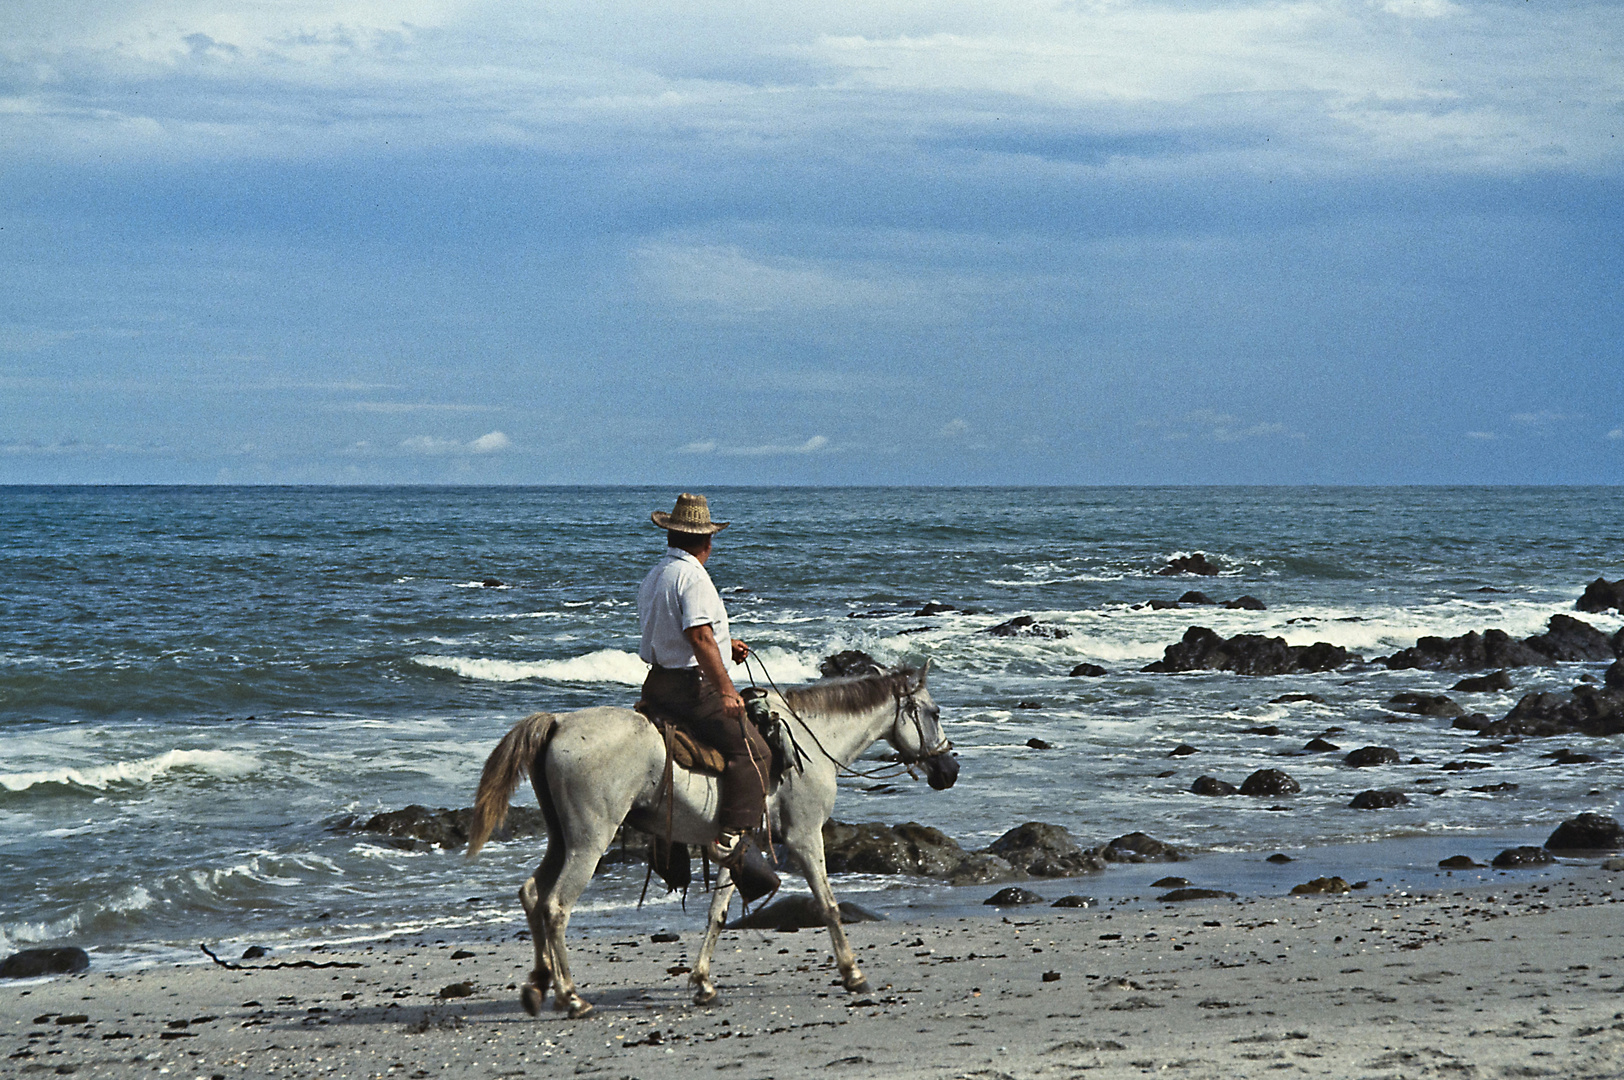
[
  {"x": 602, "y": 666},
  {"x": 225, "y": 763}
]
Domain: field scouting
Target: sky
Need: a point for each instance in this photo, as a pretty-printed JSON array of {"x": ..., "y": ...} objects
[{"x": 609, "y": 242}]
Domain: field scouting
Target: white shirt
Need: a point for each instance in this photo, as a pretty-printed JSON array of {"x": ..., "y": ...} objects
[{"x": 676, "y": 595}]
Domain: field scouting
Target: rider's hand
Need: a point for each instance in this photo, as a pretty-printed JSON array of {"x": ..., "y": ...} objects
[
  {"x": 740, "y": 651},
  {"x": 733, "y": 706}
]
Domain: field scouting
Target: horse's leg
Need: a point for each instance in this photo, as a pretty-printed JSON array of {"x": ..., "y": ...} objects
[
  {"x": 699, "y": 978},
  {"x": 535, "y": 991},
  {"x": 806, "y": 847}
]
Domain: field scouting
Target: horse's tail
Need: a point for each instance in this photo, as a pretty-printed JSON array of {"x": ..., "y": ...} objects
[{"x": 520, "y": 752}]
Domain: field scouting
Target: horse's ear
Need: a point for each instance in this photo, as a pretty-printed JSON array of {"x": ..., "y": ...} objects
[{"x": 924, "y": 670}]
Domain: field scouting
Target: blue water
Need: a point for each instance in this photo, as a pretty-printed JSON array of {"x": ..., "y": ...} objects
[{"x": 194, "y": 682}]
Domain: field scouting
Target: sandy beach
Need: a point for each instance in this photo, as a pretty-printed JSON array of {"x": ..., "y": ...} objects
[{"x": 1520, "y": 977}]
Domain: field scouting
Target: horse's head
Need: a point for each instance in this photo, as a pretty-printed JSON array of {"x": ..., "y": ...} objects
[{"x": 917, "y": 732}]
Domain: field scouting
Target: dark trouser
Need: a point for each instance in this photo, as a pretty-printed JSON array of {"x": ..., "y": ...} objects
[{"x": 680, "y": 693}]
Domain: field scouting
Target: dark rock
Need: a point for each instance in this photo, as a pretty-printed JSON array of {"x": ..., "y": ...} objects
[
  {"x": 1039, "y": 744},
  {"x": 1320, "y": 746},
  {"x": 254, "y": 952},
  {"x": 1180, "y": 895},
  {"x": 1266, "y": 729},
  {"x": 1044, "y": 850},
  {"x": 1568, "y": 757},
  {"x": 1137, "y": 847},
  {"x": 457, "y": 990},
  {"x": 1027, "y": 626},
  {"x": 875, "y": 848},
  {"x": 1494, "y": 789},
  {"x": 1511, "y": 858},
  {"x": 1602, "y": 595},
  {"x": 1464, "y": 766},
  {"x": 849, "y": 662},
  {"x": 1182, "y": 750},
  {"x": 1587, "y": 832},
  {"x": 1279, "y": 858},
  {"x": 1484, "y": 684},
  {"x": 1378, "y": 800},
  {"x": 1585, "y": 710},
  {"x": 800, "y": 913},
  {"x": 1170, "y": 883},
  {"x": 1322, "y": 886},
  {"x": 1366, "y": 756},
  {"x": 32, "y": 963},
  {"x": 1568, "y": 639},
  {"x": 1425, "y": 704},
  {"x": 1615, "y": 676},
  {"x": 1287, "y": 699},
  {"x": 1029, "y": 704},
  {"x": 492, "y": 583},
  {"x": 1471, "y": 651},
  {"x": 1076, "y": 901},
  {"x": 1470, "y": 722},
  {"x": 449, "y": 828},
  {"x": 1163, "y": 605},
  {"x": 1246, "y": 603},
  {"x": 1269, "y": 782},
  {"x": 1208, "y": 785},
  {"x": 983, "y": 869},
  {"x": 1012, "y": 897},
  {"x": 1459, "y": 862},
  {"x": 1051, "y": 976},
  {"x": 1089, "y": 671},
  {"x": 1202, "y": 649},
  {"x": 1195, "y": 597},
  {"x": 1189, "y": 564},
  {"x": 933, "y": 608}
]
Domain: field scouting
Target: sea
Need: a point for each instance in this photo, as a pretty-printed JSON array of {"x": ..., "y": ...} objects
[{"x": 198, "y": 685}]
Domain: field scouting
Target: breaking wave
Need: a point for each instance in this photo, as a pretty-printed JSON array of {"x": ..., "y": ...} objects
[{"x": 223, "y": 763}]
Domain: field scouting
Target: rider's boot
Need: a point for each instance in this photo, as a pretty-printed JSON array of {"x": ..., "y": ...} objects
[{"x": 752, "y": 871}]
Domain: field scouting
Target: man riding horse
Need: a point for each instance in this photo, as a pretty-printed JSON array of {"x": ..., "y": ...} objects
[{"x": 685, "y": 630}]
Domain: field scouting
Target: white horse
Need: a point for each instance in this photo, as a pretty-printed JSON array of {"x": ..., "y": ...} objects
[{"x": 596, "y": 768}]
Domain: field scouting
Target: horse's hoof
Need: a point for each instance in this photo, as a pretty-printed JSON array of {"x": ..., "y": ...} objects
[
  {"x": 580, "y": 1009},
  {"x": 705, "y": 995},
  {"x": 858, "y": 987},
  {"x": 531, "y": 998}
]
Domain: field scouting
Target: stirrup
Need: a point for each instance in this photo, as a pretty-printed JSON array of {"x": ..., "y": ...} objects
[{"x": 752, "y": 872}]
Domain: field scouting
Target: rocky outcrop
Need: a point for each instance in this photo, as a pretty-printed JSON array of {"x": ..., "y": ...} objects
[
  {"x": 1266, "y": 783},
  {"x": 1044, "y": 850},
  {"x": 874, "y": 848},
  {"x": 1088, "y": 671},
  {"x": 1013, "y": 897},
  {"x": 1320, "y": 746},
  {"x": 1322, "y": 886},
  {"x": 1565, "y": 639},
  {"x": 1425, "y": 705},
  {"x": 1027, "y": 626},
  {"x": 441, "y": 827},
  {"x": 1246, "y": 603},
  {"x": 1602, "y": 595},
  {"x": 1378, "y": 800},
  {"x": 1584, "y": 710},
  {"x": 1366, "y": 756},
  {"x": 800, "y": 913},
  {"x": 1137, "y": 847},
  {"x": 32, "y": 963},
  {"x": 1178, "y": 896},
  {"x": 1202, "y": 649},
  {"x": 1513, "y": 858},
  {"x": 1189, "y": 564},
  {"x": 849, "y": 662},
  {"x": 1195, "y": 596},
  {"x": 1484, "y": 684},
  {"x": 1614, "y": 679},
  {"x": 1211, "y": 785},
  {"x": 1587, "y": 832}
]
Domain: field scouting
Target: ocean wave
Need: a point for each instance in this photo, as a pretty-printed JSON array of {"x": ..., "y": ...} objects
[
  {"x": 604, "y": 665},
  {"x": 222, "y": 763}
]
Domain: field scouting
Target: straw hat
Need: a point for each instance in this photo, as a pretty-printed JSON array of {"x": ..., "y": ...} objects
[{"x": 691, "y": 515}]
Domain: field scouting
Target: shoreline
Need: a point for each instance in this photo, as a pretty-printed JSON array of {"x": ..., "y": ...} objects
[{"x": 1521, "y": 976}]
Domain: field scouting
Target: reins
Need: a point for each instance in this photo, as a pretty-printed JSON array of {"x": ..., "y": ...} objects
[{"x": 883, "y": 772}]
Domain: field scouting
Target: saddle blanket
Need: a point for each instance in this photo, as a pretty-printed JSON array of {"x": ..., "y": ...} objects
[{"x": 684, "y": 749}]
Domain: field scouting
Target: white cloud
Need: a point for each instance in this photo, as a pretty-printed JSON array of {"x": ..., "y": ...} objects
[
  {"x": 953, "y": 429},
  {"x": 1616, "y": 433},
  {"x": 810, "y": 446},
  {"x": 703, "y": 446},
  {"x": 1538, "y": 419},
  {"x": 1481, "y": 435},
  {"x": 428, "y": 444}
]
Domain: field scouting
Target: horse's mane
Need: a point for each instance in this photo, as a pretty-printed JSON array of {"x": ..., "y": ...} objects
[{"x": 850, "y": 695}]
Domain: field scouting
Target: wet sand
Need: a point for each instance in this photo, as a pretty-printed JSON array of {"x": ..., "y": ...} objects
[{"x": 1517, "y": 978}]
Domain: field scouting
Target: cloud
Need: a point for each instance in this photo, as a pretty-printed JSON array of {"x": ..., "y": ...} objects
[
  {"x": 811, "y": 446},
  {"x": 1616, "y": 433},
  {"x": 1220, "y": 427},
  {"x": 703, "y": 446},
  {"x": 1481, "y": 435},
  {"x": 954, "y": 429},
  {"x": 428, "y": 444},
  {"x": 1538, "y": 419}
]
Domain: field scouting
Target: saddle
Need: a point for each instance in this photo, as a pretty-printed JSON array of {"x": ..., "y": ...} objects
[{"x": 681, "y": 747}]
